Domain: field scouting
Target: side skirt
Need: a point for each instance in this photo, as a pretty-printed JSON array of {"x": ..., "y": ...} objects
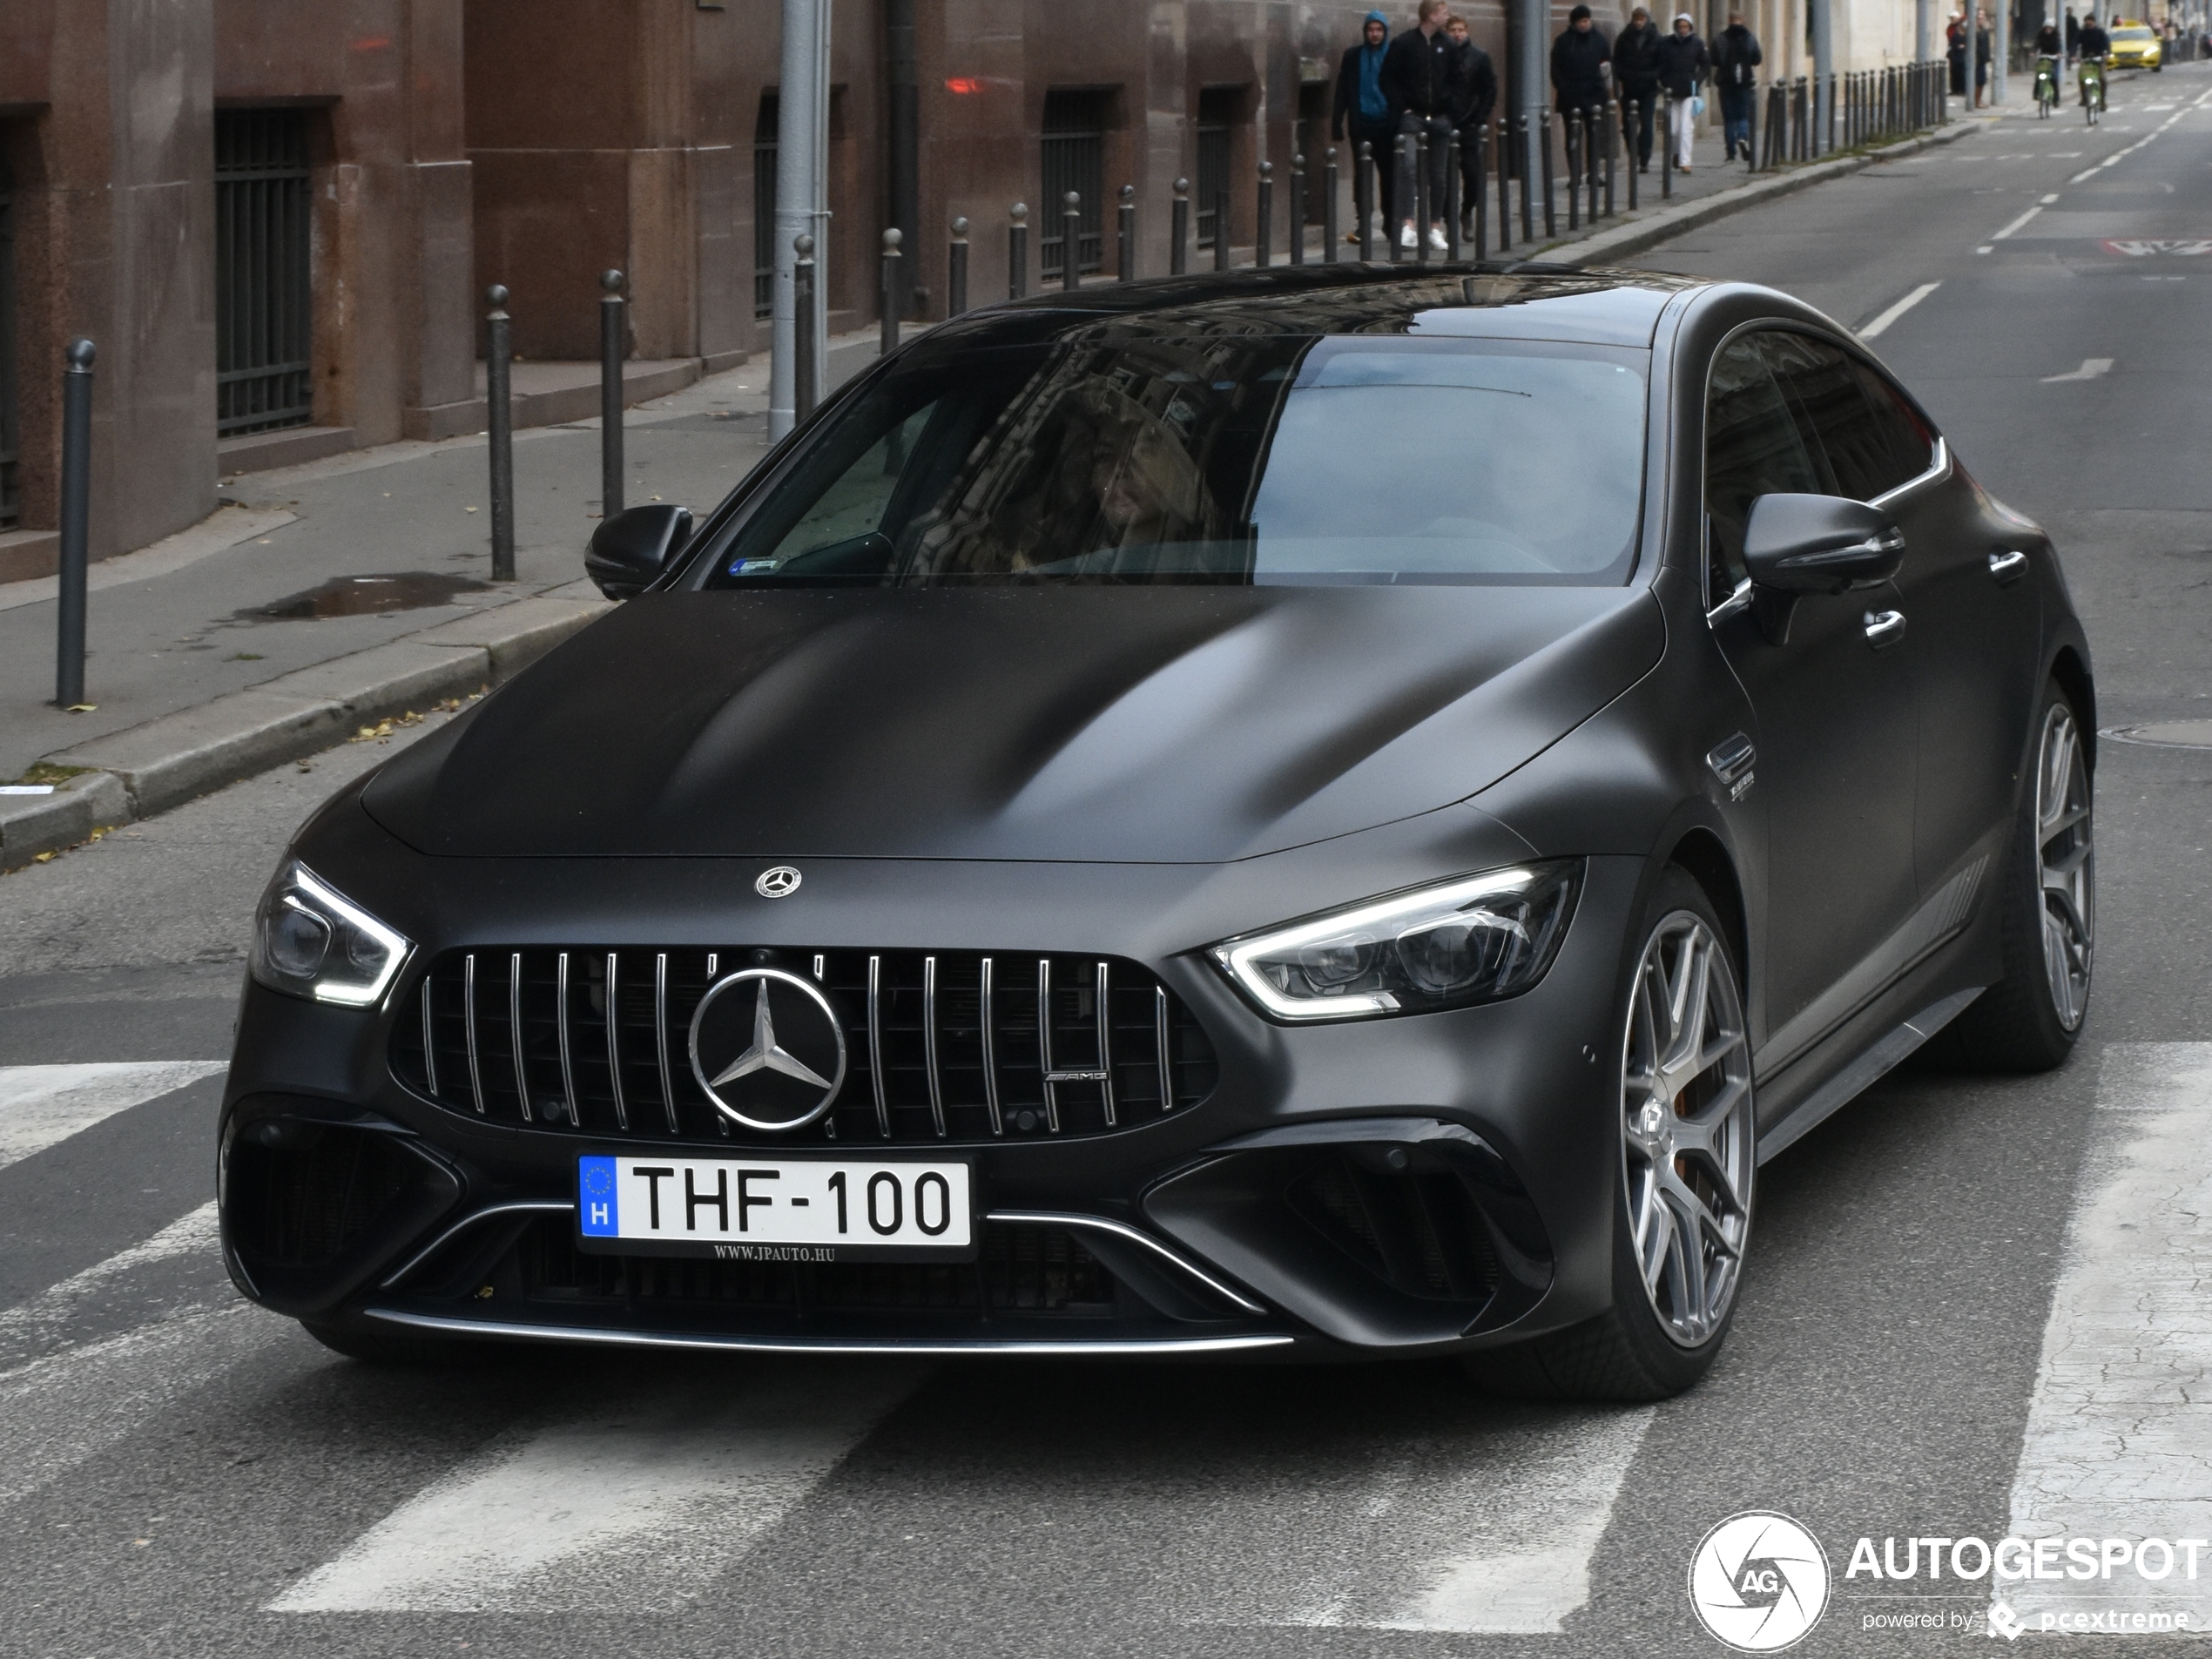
[{"x": 1864, "y": 1072}]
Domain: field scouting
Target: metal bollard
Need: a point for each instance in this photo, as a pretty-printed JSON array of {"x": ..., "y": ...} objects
[
  {"x": 1071, "y": 240},
  {"x": 887, "y": 336},
  {"x": 1478, "y": 209},
  {"x": 1264, "y": 232},
  {"x": 1551, "y": 209},
  {"x": 1528, "y": 155},
  {"x": 1125, "y": 230},
  {"x": 1424, "y": 209},
  {"x": 1397, "y": 171},
  {"x": 77, "y": 522},
  {"x": 956, "y": 270},
  {"x": 1570, "y": 123},
  {"x": 1363, "y": 197},
  {"x": 1329, "y": 205},
  {"x": 1452, "y": 197},
  {"x": 1221, "y": 230},
  {"x": 1179, "y": 230},
  {"x": 1611, "y": 114},
  {"x": 802, "y": 343},
  {"x": 1017, "y": 251},
  {"x": 1666, "y": 147},
  {"x": 499, "y": 427},
  {"x": 1501, "y": 158},
  {"x": 1297, "y": 209},
  {"x": 612, "y": 352}
]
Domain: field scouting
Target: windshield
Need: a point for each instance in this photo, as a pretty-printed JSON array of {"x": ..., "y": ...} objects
[
  {"x": 1240, "y": 459},
  {"x": 2131, "y": 34}
]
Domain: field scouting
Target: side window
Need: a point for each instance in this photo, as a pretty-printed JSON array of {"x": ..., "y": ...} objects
[
  {"x": 1752, "y": 449},
  {"x": 1911, "y": 444},
  {"x": 1854, "y": 432}
]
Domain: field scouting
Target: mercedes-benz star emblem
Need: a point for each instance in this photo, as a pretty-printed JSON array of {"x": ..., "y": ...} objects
[
  {"x": 778, "y": 882},
  {"x": 768, "y": 1049}
]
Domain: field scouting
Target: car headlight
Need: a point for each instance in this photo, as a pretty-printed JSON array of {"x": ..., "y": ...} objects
[
  {"x": 311, "y": 940},
  {"x": 1474, "y": 939}
]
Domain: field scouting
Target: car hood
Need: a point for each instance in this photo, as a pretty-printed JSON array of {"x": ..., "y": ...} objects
[{"x": 1167, "y": 723}]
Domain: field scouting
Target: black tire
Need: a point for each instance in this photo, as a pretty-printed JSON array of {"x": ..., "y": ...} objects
[
  {"x": 2018, "y": 1025},
  {"x": 400, "y": 1347},
  {"x": 1627, "y": 1353}
]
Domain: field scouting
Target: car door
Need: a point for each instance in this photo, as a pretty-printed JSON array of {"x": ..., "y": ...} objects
[
  {"x": 1971, "y": 619},
  {"x": 1833, "y": 697}
]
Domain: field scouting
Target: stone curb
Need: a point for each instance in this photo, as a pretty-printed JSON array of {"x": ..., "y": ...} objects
[
  {"x": 163, "y": 763},
  {"x": 1621, "y": 241}
]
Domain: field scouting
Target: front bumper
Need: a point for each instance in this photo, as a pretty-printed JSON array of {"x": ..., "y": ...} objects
[{"x": 1408, "y": 1185}]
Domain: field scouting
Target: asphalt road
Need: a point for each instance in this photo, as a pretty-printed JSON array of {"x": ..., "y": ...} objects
[{"x": 1968, "y": 1313}]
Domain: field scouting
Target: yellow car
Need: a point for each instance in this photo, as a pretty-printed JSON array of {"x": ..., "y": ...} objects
[{"x": 2135, "y": 46}]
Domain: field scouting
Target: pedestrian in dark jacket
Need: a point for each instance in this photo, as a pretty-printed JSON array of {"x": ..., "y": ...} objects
[
  {"x": 1685, "y": 65},
  {"x": 1417, "y": 79},
  {"x": 1579, "y": 60},
  {"x": 1635, "y": 71},
  {"x": 2073, "y": 36},
  {"x": 1474, "y": 88},
  {"x": 1736, "y": 72},
  {"x": 1361, "y": 102}
]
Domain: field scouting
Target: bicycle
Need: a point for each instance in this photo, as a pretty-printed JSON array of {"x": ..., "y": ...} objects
[
  {"x": 2092, "y": 88},
  {"x": 2046, "y": 86}
]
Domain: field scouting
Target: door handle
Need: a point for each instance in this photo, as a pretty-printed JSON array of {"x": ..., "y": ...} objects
[
  {"x": 2008, "y": 568},
  {"x": 1884, "y": 628}
]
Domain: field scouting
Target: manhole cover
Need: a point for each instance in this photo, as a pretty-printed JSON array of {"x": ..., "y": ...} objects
[
  {"x": 365, "y": 596},
  {"x": 2165, "y": 734}
]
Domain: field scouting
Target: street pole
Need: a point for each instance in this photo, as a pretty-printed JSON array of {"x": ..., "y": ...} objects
[
  {"x": 887, "y": 325},
  {"x": 1530, "y": 80},
  {"x": 1824, "y": 71},
  {"x": 612, "y": 343},
  {"x": 2000, "y": 48},
  {"x": 77, "y": 522},
  {"x": 1924, "y": 29},
  {"x": 802, "y": 144},
  {"x": 499, "y": 430}
]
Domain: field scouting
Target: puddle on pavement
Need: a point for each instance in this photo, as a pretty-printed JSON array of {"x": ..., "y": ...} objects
[{"x": 365, "y": 596}]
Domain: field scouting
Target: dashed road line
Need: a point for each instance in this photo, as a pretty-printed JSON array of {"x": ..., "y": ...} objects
[
  {"x": 2017, "y": 223},
  {"x": 29, "y": 1326},
  {"x": 2092, "y": 368},
  {"x": 1882, "y": 321}
]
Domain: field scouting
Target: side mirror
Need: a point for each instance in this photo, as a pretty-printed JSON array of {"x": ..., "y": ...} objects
[
  {"x": 1798, "y": 544},
  {"x": 631, "y": 550}
]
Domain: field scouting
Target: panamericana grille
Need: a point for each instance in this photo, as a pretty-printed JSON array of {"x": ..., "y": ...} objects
[{"x": 949, "y": 1046}]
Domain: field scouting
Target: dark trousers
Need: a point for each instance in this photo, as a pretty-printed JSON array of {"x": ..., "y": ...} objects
[
  {"x": 1735, "y": 118},
  {"x": 1471, "y": 166},
  {"x": 1380, "y": 136},
  {"x": 1411, "y": 127},
  {"x": 1637, "y": 132}
]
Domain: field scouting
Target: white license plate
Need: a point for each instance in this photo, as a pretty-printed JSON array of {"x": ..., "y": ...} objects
[{"x": 775, "y": 1209}]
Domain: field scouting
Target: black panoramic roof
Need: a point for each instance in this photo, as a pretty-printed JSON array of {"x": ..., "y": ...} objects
[{"x": 1511, "y": 301}]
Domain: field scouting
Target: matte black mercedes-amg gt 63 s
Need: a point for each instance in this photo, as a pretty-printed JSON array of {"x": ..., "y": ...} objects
[{"x": 1331, "y": 811}]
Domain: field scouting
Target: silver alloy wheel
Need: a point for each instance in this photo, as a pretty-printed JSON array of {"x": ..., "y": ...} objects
[
  {"x": 2066, "y": 860},
  {"x": 1687, "y": 1139}
]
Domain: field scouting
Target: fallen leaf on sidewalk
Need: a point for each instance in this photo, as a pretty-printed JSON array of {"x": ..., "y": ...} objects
[
  {"x": 467, "y": 510},
  {"x": 83, "y": 708}
]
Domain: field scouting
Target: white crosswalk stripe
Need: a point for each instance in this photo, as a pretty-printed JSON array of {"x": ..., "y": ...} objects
[
  {"x": 40, "y": 1105},
  {"x": 31, "y": 1326},
  {"x": 2119, "y": 1438},
  {"x": 629, "y": 1508}
]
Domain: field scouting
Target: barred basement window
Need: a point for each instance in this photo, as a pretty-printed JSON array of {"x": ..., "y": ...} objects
[
  {"x": 9, "y": 442},
  {"x": 1075, "y": 158},
  {"x": 263, "y": 323},
  {"x": 764, "y": 207}
]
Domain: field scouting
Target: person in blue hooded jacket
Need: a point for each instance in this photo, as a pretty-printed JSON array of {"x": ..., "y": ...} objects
[{"x": 1360, "y": 102}]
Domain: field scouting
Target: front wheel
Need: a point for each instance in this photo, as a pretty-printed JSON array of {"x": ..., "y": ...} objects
[{"x": 1687, "y": 1165}]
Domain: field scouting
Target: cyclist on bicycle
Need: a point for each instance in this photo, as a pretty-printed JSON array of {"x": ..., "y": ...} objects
[
  {"x": 2095, "y": 45},
  {"x": 2048, "y": 46}
]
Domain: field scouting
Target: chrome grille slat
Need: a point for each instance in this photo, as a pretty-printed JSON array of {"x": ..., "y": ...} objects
[
  {"x": 468, "y": 1014},
  {"x": 1105, "y": 995},
  {"x": 1163, "y": 1042},
  {"x": 954, "y": 1050},
  {"x": 1044, "y": 1044},
  {"x": 660, "y": 1029},
  {"x": 515, "y": 1031},
  {"x": 614, "y": 1042},
  {"x": 990, "y": 1053},
  {"x": 875, "y": 1046},
  {"x": 568, "y": 1060},
  {"x": 929, "y": 1043}
]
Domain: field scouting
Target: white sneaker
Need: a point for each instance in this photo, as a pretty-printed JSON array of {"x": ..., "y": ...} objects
[
  {"x": 1436, "y": 242},
  {"x": 1405, "y": 238}
]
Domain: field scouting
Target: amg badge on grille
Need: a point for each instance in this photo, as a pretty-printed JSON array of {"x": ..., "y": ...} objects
[{"x": 768, "y": 1049}]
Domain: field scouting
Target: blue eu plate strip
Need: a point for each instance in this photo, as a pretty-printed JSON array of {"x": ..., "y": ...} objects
[{"x": 596, "y": 1198}]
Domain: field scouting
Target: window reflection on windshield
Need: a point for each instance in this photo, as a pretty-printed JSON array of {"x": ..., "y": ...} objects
[{"x": 1234, "y": 459}]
